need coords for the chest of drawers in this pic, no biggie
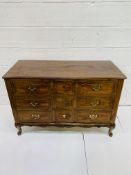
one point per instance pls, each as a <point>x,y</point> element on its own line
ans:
<point>64,93</point>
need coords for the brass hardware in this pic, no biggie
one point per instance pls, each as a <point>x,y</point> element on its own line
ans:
<point>96,87</point>
<point>33,104</point>
<point>35,116</point>
<point>93,116</point>
<point>95,103</point>
<point>65,115</point>
<point>32,88</point>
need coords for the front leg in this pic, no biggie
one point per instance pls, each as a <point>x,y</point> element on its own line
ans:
<point>18,126</point>
<point>110,130</point>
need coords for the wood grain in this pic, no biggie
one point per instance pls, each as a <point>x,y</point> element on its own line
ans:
<point>64,69</point>
<point>39,97</point>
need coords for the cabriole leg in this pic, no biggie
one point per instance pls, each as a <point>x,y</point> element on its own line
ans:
<point>110,130</point>
<point>19,132</point>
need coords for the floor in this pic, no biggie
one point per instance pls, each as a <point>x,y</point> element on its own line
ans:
<point>55,151</point>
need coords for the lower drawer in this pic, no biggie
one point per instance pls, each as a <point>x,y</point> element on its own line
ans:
<point>93,116</point>
<point>64,116</point>
<point>34,116</point>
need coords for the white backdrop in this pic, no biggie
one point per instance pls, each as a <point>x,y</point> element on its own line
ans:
<point>66,30</point>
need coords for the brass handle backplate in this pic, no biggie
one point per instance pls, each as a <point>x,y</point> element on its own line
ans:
<point>33,104</point>
<point>96,87</point>
<point>93,116</point>
<point>35,116</point>
<point>65,116</point>
<point>32,88</point>
<point>95,103</point>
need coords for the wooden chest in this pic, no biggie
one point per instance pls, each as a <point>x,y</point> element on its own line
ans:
<point>64,93</point>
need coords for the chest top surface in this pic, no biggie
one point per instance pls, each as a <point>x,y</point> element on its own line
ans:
<point>64,69</point>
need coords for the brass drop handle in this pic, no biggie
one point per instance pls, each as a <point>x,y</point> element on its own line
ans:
<point>35,116</point>
<point>65,116</point>
<point>96,87</point>
<point>95,103</point>
<point>33,104</point>
<point>32,88</point>
<point>93,116</point>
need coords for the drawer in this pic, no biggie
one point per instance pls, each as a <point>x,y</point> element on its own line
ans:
<point>63,87</point>
<point>34,116</point>
<point>32,104</point>
<point>63,116</point>
<point>93,116</point>
<point>63,102</point>
<point>95,88</point>
<point>31,87</point>
<point>92,102</point>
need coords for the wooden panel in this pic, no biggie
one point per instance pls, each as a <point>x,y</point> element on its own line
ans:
<point>64,70</point>
<point>33,104</point>
<point>65,14</point>
<point>95,88</point>
<point>126,93</point>
<point>65,102</point>
<point>34,116</point>
<point>64,116</point>
<point>65,37</point>
<point>63,87</point>
<point>93,116</point>
<point>31,87</point>
<point>93,102</point>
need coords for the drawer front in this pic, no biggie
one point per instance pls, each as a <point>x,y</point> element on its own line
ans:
<point>63,102</point>
<point>92,102</point>
<point>63,116</point>
<point>31,87</point>
<point>32,104</point>
<point>34,116</point>
<point>93,116</point>
<point>95,88</point>
<point>63,87</point>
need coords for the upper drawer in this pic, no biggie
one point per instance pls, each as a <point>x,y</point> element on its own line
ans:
<point>31,87</point>
<point>63,102</point>
<point>95,87</point>
<point>94,102</point>
<point>63,87</point>
<point>32,104</point>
